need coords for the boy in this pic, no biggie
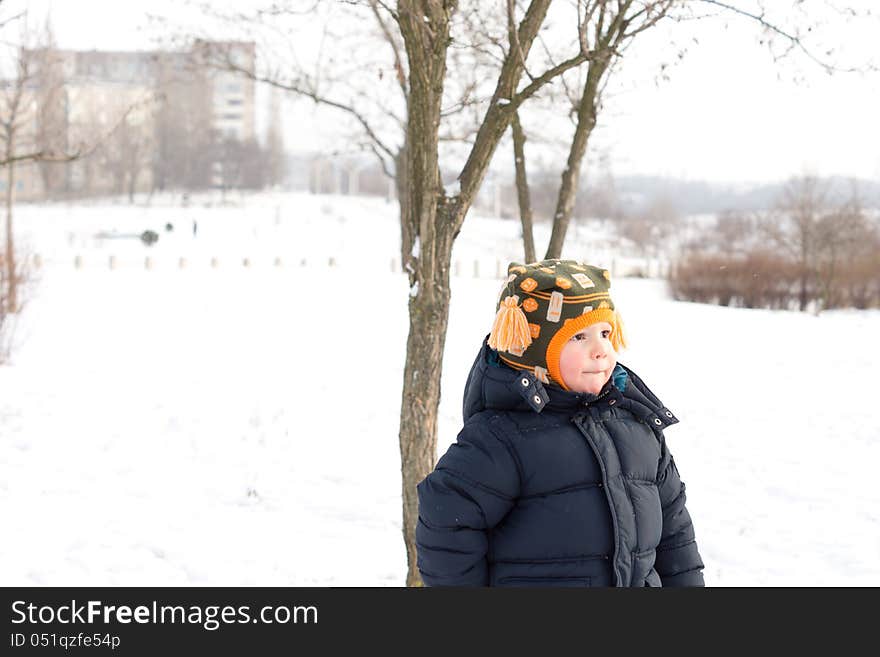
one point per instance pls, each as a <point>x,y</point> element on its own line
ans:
<point>561,475</point>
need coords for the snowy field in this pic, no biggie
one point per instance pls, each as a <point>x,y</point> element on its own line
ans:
<point>235,425</point>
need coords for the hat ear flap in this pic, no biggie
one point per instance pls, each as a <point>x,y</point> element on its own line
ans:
<point>618,334</point>
<point>511,328</point>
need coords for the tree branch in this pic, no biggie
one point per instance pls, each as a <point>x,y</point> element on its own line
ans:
<point>227,64</point>
<point>794,39</point>
<point>547,76</point>
<point>6,21</point>
<point>389,37</point>
<point>513,37</point>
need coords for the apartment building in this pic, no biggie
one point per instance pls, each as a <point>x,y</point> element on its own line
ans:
<point>158,117</point>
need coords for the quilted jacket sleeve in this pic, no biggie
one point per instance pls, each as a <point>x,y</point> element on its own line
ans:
<point>678,561</point>
<point>471,489</point>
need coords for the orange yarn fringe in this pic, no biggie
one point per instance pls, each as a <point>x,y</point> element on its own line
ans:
<point>618,335</point>
<point>511,328</point>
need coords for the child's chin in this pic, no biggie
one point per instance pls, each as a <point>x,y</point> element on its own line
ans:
<point>592,383</point>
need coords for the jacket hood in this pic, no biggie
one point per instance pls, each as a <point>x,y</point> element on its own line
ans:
<point>492,385</point>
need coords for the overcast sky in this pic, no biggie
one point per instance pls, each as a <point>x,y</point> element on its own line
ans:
<point>726,113</point>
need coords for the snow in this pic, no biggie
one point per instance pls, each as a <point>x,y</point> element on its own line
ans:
<point>237,425</point>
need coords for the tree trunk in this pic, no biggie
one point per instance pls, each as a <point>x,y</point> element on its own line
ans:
<point>118,180</point>
<point>428,317</point>
<point>522,188</point>
<point>132,181</point>
<point>12,280</point>
<point>423,211</point>
<point>436,220</point>
<point>408,231</point>
<point>805,272</point>
<point>570,176</point>
<point>802,288</point>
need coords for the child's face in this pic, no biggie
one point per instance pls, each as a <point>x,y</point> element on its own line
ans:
<point>588,359</point>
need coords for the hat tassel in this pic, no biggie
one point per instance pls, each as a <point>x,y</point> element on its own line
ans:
<point>618,335</point>
<point>511,328</point>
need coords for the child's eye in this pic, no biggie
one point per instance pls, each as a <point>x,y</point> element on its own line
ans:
<point>578,336</point>
<point>606,333</point>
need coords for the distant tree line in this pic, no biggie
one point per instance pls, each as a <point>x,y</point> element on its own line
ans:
<point>807,253</point>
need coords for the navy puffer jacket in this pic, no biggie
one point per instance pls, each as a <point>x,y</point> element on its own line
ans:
<point>546,487</point>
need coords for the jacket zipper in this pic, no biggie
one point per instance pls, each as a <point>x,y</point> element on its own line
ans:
<point>586,435</point>
<point>601,394</point>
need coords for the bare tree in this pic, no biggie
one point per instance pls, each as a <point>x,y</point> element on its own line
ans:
<point>32,81</point>
<point>129,152</point>
<point>608,29</point>
<point>605,29</point>
<point>228,165</point>
<point>840,234</point>
<point>860,278</point>
<point>276,166</point>
<point>20,141</point>
<point>652,225</point>
<point>793,227</point>
<point>51,107</point>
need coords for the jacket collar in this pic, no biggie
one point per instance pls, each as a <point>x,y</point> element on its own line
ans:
<point>493,385</point>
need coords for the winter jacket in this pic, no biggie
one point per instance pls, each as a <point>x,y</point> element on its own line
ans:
<point>546,487</point>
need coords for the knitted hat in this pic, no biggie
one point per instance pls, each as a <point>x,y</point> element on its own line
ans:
<point>542,305</point>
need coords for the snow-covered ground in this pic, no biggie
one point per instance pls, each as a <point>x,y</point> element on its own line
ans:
<point>238,426</point>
